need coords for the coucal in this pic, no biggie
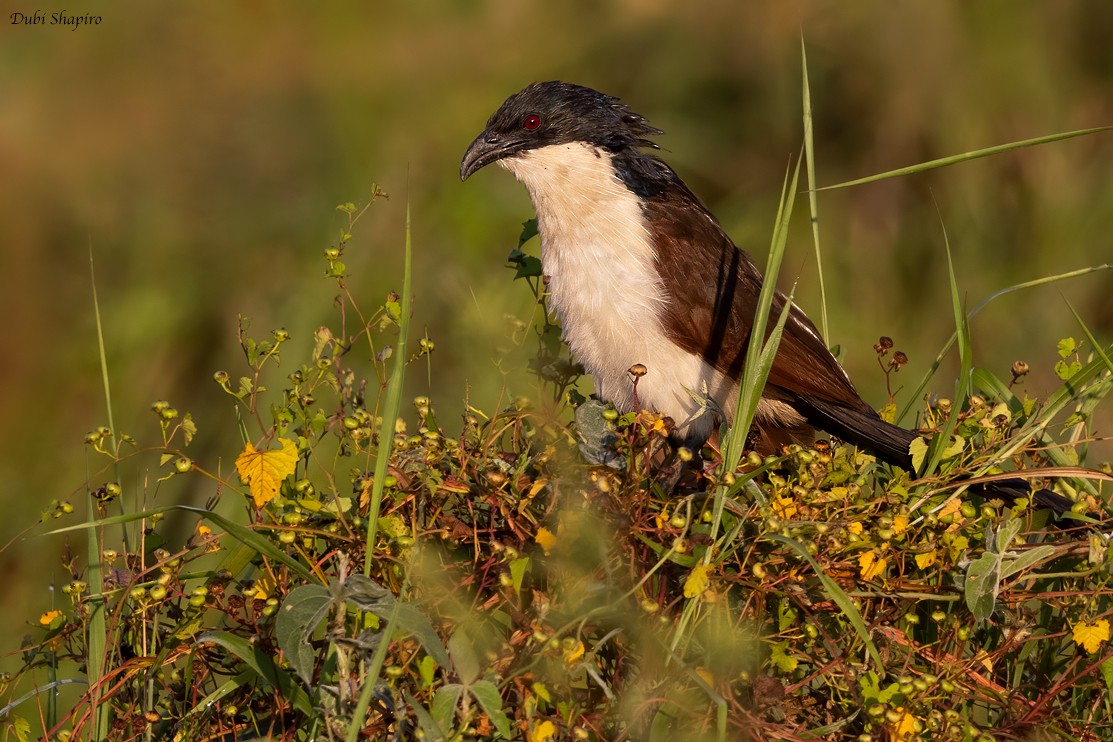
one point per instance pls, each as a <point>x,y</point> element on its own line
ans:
<point>640,272</point>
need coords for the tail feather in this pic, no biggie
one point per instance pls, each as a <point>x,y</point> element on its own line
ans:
<point>863,427</point>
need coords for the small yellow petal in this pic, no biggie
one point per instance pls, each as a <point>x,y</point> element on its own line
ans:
<point>872,565</point>
<point>543,732</point>
<point>50,617</point>
<point>784,507</point>
<point>573,652</point>
<point>697,580</point>
<point>706,675</point>
<point>545,539</point>
<point>906,727</point>
<point>855,528</point>
<point>925,560</point>
<point>900,524</point>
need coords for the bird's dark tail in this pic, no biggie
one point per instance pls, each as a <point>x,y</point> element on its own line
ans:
<point>864,428</point>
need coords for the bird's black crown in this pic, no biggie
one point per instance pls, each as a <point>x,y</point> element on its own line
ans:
<point>548,113</point>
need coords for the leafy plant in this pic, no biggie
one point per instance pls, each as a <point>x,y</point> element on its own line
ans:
<point>369,572</point>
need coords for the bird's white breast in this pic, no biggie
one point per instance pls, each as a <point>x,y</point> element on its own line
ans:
<point>605,287</point>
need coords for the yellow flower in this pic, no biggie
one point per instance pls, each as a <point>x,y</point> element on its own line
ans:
<point>48,618</point>
<point>906,727</point>
<point>872,564</point>
<point>573,651</point>
<point>545,539</point>
<point>784,507</point>
<point>543,732</point>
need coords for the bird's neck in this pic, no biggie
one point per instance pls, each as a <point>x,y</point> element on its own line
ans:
<point>605,286</point>
<point>594,238</point>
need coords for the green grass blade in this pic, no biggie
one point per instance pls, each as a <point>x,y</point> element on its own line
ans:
<point>97,630</point>
<point>1101,354</point>
<point>373,672</point>
<point>263,665</point>
<point>758,362</point>
<point>813,198</point>
<point>393,403</point>
<point>967,156</point>
<point>916,394</point>
<point>841,599</point>
<point>966,363</point>
<point>253,540</point>
<point>256,542</point>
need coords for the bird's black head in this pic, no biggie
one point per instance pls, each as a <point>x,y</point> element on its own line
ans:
<point>547,113</point>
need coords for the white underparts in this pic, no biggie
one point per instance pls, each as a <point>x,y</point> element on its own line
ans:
<point>606,291</point>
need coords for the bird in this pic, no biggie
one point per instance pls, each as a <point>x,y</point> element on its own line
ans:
<point>639,271</point>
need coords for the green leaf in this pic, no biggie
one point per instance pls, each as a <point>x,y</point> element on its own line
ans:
<point>22,728</point>
<point>427,667</point>
<point>189,428</point>
<point>464,659</point>
<point>489,699</point>
<point>298,618</point>
<point>391,399</point>
<point>1026,560</point>
<point>1004,537</point>
<point>954,448</point>
<point>262,665</point>
<point>1107,674</point>
<point>813,199</point>
<point>1066,370</point>
<point>518,569</point>
<point>781,659</point>
<point>445,701</point>
<point>222,691</point>
<point>918,448</point>
<point>527,266</point>
<point>872,692</point>
<point>394,309</point>
<point>372,597</point>
<point>529,231</point>
<point>983,580</point>
<point>433,731</point>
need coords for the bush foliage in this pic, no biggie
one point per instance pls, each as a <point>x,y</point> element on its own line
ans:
<point>364,572</point>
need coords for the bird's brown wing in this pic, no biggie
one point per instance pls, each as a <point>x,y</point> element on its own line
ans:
<point>712,284</point>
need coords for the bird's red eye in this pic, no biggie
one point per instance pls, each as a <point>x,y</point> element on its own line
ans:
<point>531,122</point>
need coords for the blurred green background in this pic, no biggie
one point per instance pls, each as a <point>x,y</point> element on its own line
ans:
<point>200,151</point>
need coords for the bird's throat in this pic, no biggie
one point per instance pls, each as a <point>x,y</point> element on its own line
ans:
<point>599,257</point>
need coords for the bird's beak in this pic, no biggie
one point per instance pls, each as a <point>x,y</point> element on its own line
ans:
<point>488,147</point>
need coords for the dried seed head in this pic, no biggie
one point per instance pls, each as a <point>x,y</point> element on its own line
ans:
<point>1020,368</point>
<point>638,370</point>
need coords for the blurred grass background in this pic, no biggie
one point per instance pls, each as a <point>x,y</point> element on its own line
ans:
<point>201,151</point>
